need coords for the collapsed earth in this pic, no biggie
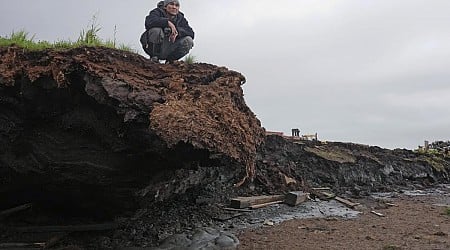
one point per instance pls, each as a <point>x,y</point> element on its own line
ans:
<point>105,149</point>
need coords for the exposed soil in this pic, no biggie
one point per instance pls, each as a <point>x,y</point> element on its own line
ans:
<point>94,135</point>
<point>415,222</point>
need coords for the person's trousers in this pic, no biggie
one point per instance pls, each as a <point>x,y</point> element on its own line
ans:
<point>156,43</point>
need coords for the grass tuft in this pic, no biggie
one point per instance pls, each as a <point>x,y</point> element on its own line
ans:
<point>190,59</point>
<point>87,37</point>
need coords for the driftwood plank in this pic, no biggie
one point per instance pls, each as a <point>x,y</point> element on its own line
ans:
<point>378,214</point>
<point>323,195</point>
<point>265,204</point>
<point>346,202</point>
<point>244,202</point>
<point>295,198</point>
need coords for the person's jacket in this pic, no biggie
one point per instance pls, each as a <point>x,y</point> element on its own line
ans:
<point>158,18</point>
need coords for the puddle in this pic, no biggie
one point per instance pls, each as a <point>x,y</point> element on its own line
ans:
<point>280,212</point>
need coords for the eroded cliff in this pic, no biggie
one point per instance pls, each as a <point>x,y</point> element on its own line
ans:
<point>100,121</point>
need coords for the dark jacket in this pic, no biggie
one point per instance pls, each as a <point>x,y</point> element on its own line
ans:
<point>158,18</point>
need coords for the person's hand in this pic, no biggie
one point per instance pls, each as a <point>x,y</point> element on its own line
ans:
<point>174,33</point>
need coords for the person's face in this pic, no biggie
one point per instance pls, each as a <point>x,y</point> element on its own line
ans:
<point>173,8</point>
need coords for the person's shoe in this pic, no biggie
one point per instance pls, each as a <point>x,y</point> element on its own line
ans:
<point>154,59</point>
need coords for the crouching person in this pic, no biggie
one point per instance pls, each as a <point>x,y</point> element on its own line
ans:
<point>168,35</point>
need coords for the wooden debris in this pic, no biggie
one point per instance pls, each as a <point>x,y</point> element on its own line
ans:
<point>323,195</point>
<point>10,211</point>
<point>392,204</point>
<point>244,202</point>
<point>295,198</point>
<point>288,180</point>
<point>328,195</point>
<point>72,228</point>
<point>378,214</point>
<point>346,202</point>
<point>264,204</point>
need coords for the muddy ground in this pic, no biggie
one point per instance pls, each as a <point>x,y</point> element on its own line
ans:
<point>412,220</point>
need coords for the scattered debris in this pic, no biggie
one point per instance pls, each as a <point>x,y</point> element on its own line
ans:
<point>295,198</point>
<point>268,223</point>
<point>243,202</point>
<point>378,214</point>
<point>265,204</point>
<point>323,195</point>
<point>391,204</point>
<point>288,180</point>
<point>346,202</point>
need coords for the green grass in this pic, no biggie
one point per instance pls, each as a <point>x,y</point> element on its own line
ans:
<point>190,59</point>
<point>447,211</point>
<point>87,37</point>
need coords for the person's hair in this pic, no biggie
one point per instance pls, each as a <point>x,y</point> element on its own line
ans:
<point>166,2</point>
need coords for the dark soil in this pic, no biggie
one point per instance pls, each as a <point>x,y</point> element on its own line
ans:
<point>94,135</point>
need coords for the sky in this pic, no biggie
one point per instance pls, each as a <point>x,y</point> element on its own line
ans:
<point>374,72</point>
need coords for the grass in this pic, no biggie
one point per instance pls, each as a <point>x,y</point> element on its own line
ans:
<point>447,211</point>
<point>87,37</point>
<point>190,59</point>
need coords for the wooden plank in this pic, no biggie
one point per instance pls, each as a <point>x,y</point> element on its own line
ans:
<point>264,204</point>
<point>346,202</point>
<point>323,195</point>
<point>244,202</point>
<point>328,195</point>
<point>239,203</point>
<point>295,198</point>
<point>71,228</point>
<point>378,214</point>
<point>392,204</point>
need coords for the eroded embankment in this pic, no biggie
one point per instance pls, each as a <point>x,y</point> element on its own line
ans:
<point>99,125</point>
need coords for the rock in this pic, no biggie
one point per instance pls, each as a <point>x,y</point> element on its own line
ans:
<point>175,241</point>
<point>203,238</point>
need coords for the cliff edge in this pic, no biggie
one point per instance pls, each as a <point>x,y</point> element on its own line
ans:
<point>99,118</point>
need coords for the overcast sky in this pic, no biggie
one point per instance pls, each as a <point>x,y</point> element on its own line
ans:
<point>374,72</point>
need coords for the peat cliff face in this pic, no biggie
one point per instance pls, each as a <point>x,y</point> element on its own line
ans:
<point>361,169</point>
<point>106,123</point>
